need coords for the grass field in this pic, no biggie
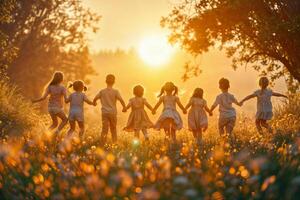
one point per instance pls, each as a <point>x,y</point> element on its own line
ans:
<point>33,166</point>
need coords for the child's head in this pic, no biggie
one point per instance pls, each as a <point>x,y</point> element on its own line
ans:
<point>168,87</point>
<point>110,79</point>
<point>78,86</point>
<point>224,84</point>
<point>263,82</point>
<point>138,91</point>
<point>198,93</point>
<point>57,78</point>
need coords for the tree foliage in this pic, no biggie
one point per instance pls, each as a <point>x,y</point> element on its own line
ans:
<point>48,35</point>
<point>264,34</point>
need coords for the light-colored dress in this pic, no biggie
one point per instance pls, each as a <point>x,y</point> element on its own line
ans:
<point>169,112</point>
<point>197,117</point>
<point>138,118</point>
<point>264,104</point>
<point>55,103</point>
<point>77,100</point>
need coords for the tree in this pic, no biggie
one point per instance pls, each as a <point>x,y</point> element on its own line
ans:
<point>262,33</point>
<point>49,35</point>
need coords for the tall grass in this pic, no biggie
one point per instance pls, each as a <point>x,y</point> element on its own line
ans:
<point>254,167</point>
<point>16,113</point>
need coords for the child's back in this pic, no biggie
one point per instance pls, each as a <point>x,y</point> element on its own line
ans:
<point>77,100</point>
<point>108,98</point>
<point>169,101</point>
<point>264,103</point>
<point>57,92</point>
<point>225,100</point>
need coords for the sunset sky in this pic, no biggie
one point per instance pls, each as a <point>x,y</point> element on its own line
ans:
<point>125,22</point>
<point>129,24</point>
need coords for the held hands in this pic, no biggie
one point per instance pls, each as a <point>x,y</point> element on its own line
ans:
<point>153,112</point>
<point>124,110</point>
<point>210,113</point>
<point>184,111</point>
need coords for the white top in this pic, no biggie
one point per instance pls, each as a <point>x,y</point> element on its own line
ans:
<point>264,103</point>
<point>197,103</point>
<point>169,101</point>
<point>108,98</point>
<point>77,100</point>
<point>56,92</point>
<point>225,101</point>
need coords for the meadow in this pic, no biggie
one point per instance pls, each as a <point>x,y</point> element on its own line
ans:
<point>36,165</point>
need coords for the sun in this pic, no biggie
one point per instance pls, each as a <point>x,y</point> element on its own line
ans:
<point>155,50</point>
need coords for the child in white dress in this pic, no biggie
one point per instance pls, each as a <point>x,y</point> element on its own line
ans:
<point>169,119</point>
<point>138,119</point>
<point>55,104</point>
<point>227,115</point>
<point>197,118</point>
<point>264,104</point>
<point>76,112</point>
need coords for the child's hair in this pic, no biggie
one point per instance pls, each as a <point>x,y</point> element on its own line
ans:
<point>78,86</point>
<point>263,82</point>
<point>168,86</point>
<point>198,93</point>
<point>138,91</point>
<point>57,78</point>
<point>110,79</point>
<point>224,84</point>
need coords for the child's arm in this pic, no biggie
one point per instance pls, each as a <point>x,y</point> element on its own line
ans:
<point>148,105</point>
<point>236,102</point>
<point>86,99</point>
<point>247,98</point>
<point>208,110</point>
<point>157,105</point>
<point>127,107</point>
<point>43,97</point>
<point>96,98</point>
<point>216,103</point>
<point>68,99</point>
<point>188,105</point>
<point>276,94</point>
<point>121,100</point>
<point>180,105</point>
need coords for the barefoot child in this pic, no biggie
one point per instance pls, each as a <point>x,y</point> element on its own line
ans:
<point>138,119</point>
<point>55,104</point>
<point>169,119</point>
<point>108,98</point>
<point>197,118</point>
<point>264,104</point>
<point>76,112</point>
<point>227,116</point>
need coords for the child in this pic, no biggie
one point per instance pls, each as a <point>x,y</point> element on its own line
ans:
<point>197,118</point>
<point>170,119</point>
<point>264,104</point>
<point>108,98</point>
<point>77,100</point>
<point>55,104</point>
<point>138,119</point>
<point>227,116</point>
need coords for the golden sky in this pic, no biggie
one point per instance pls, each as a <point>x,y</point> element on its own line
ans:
<point>125,22</point>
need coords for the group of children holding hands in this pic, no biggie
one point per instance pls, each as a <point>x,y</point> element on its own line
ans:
<point>169,120</point>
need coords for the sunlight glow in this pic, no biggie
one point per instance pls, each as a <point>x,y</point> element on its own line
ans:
<point>155,50</point>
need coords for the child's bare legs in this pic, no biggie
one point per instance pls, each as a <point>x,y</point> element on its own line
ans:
<point>72,127</point>
<point>169,130</point>
<point>81,126</point>
<point>145,132</point>
<point>54,121</point>
<point>265,124</point>
<point>173,133</point>
<point>64,121</point>
<point>137,134</point>
<point>258,126</point>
